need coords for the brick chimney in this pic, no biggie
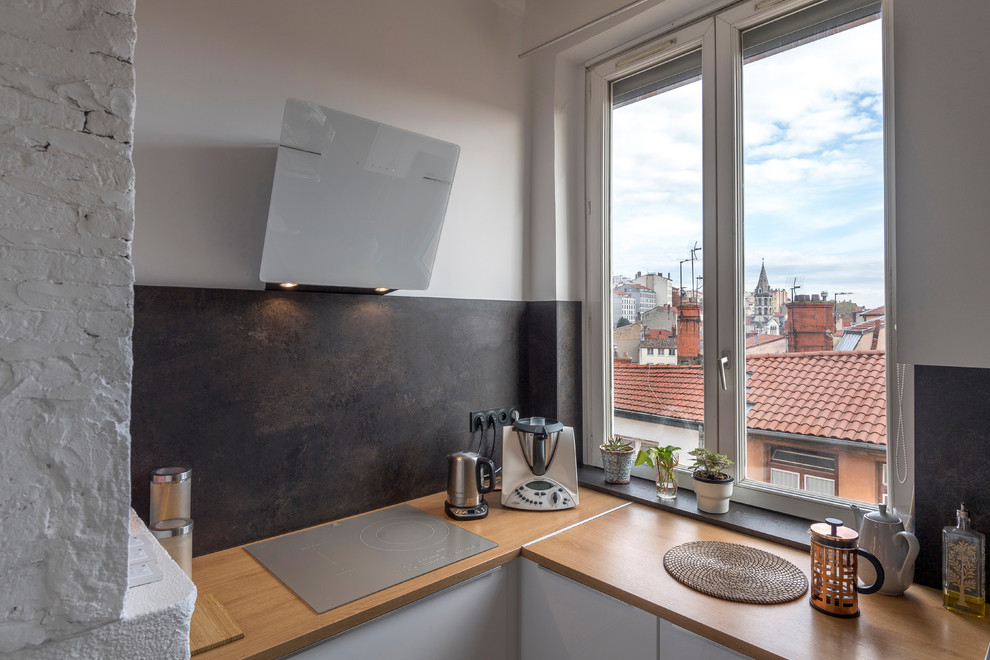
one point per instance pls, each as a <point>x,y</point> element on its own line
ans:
<point>809,324</point>
<point>689,333</point>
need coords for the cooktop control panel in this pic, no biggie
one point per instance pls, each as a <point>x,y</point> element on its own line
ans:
<point>539,495</point>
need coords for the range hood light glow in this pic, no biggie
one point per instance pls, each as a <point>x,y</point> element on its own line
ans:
<point>382,289</point>
<point>288,285</point>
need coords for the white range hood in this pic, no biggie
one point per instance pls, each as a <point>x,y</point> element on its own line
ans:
<point>356,205</point>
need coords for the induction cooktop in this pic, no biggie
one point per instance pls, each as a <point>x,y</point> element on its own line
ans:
<point>334,564</point>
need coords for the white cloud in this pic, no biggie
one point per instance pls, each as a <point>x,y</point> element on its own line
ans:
<point>812,181</point>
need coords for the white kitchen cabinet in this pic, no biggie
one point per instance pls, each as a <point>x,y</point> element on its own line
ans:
<point>519,610</point>
<point>468,620</point>
<point>675,643</point>
<point>560,619</point>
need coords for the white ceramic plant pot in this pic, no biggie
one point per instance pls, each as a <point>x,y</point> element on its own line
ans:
<point>713,496</point>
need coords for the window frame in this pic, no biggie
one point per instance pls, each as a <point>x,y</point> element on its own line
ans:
<point>721,78</point>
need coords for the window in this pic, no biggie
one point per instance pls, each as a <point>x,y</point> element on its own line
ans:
<point>819,485</point>
<point>742,166</point>
<point>785,478</point>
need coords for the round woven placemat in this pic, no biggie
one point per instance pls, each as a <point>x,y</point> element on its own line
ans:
<point>735,572</point>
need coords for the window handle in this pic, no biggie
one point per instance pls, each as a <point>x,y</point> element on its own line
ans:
<point>723,364</point>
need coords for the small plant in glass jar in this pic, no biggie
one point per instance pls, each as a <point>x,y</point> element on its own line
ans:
<point>663,460</point>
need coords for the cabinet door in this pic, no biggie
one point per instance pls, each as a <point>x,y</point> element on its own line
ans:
<point>561,619</point>
<point>468,620</point>
<point>676,643</point>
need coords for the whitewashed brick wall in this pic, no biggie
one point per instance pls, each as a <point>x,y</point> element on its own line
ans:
<point>66,312</point>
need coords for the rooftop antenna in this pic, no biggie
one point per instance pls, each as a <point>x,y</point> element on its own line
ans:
<point>693,250</point>
<point>794,287</point>
<point>683,261</point>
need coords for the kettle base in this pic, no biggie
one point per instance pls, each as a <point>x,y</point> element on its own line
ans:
<point>479,510</point>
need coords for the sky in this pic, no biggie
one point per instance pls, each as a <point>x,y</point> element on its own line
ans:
<point>812,176</point>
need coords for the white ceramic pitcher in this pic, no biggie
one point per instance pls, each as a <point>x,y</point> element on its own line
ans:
<point>882,534</point>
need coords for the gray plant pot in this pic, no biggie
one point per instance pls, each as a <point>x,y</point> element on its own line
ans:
<point>617,464</point>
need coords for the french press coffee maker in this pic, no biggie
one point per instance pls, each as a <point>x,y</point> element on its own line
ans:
<point>834,556</point>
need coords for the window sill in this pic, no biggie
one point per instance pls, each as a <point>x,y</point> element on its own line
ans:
<point>743,518</point>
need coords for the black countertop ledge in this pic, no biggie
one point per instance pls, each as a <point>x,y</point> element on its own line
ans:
<point>769,525</point>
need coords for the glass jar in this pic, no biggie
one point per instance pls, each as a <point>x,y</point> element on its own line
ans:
<point>666,482</point>
<point>175,535</point>
<point>171,492</point>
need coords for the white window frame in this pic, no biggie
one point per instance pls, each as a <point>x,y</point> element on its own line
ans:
<point>721,206</point>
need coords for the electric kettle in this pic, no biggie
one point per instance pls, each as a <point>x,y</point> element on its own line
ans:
<point>469,477</point>
<point>882,533</point>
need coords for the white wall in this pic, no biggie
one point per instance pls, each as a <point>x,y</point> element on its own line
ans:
<point>212,81</point>
<point>547,20</point>
<point>66,218</point>
<point>942,174</point>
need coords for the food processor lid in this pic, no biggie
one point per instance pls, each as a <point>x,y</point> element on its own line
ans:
<point>540,425</point>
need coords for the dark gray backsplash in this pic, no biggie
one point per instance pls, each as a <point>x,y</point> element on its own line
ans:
<point>297,409</point>
<point>952,458</point>
<point>554,362</point>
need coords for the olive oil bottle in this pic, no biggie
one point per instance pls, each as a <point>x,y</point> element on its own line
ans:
<point>963,581</point>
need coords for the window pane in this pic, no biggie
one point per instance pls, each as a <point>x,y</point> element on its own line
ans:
<point>656,255</point>
<point>814,250</point>
<point>785,478</point>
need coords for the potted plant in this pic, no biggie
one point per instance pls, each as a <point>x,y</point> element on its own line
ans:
<point>711,484</point>
<point>663,460</point>
<point>617,459</point>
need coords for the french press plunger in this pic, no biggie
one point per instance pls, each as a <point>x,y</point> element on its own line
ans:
<point>834,555</point>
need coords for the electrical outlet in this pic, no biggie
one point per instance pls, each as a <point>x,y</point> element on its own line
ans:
<point>484,420</point>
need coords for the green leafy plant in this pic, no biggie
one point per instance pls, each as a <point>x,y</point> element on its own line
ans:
<point>617,443</point>
<point>709,465</point>
<point>662,457</point>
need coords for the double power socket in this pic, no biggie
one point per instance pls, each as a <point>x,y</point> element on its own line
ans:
<point>484,420</point>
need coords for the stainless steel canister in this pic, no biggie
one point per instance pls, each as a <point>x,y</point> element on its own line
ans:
<point>175,535</point>
<point>171,493</point>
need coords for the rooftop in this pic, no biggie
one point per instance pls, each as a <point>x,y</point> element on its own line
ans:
<point>757,340</point>
<point>865,326</point>
<point>659,342</point>
<point>825,394</point>
<point>660,389</point>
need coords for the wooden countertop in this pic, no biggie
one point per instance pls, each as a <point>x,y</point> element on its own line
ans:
<point>275,621</point>
<point>621,554</point>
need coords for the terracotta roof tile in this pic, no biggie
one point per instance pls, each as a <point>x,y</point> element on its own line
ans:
<point>757,340</point>
<point>659,342</point>
<point>660,389</point>
<point>827,394</point>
